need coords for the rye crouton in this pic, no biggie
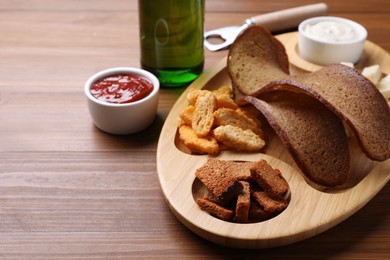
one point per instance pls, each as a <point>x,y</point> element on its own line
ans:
<point>214,175</point>
<point>243,204</point>
<point>214,209</point>
<point>271,180</point>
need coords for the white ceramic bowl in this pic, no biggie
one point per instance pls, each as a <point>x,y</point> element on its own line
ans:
<point>124,118</point>
<point>325,51</point>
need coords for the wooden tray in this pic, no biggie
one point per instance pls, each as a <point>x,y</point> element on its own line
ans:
<point>310,210</point>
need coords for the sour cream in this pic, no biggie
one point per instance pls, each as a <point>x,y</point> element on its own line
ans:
<point>326,40</point>
<point>332,31</point>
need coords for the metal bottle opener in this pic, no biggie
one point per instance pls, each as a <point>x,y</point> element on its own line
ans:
<point>274,21</point>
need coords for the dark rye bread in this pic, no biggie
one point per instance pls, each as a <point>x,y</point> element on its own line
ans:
<point>271,180</point>
<point>256,58</point>
<point>355,100</point>
<point>256,67</point>
<point>222,183</point>
<point>314,136</point>
<point>268,203</point>
<point>214,209</point>
<point>243,203</point>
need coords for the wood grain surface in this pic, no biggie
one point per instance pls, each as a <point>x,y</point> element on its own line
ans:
<point>70,191</point>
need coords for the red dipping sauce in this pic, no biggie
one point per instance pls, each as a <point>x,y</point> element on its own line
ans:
<point>121,88</point>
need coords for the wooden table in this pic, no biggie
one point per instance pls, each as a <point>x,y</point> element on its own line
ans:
<point>70,191</point>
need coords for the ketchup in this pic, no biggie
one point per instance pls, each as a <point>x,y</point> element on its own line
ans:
<point>121,88</point>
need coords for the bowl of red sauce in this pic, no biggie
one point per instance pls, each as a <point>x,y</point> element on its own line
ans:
<point>122,100</point>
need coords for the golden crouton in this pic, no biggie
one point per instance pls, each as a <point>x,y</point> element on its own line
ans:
<point>225,101</point>
<point>203,116</point>
<point>227,116</point>
<point>197,144</point>
<point>187,114</point>
<point>224,90</point>
<point>254,114</point>
<point>192,96</point>
<point>238,139</point>
<point>224,97</point>
<point>251,112</point>
<point>210,109</point>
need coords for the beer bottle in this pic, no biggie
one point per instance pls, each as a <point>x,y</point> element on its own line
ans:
<point>171,39</point>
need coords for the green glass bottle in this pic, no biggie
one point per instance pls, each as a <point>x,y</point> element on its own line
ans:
<point>171,39</point>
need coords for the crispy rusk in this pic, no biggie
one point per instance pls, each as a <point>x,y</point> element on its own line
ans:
<point>243,203</point>
<point>197,144</point>
<point>268,203</point>
<point>254,114</point>
<point>203,116</point>
<point>214,209</point>
<point>192,96</point>
<point>227,116</point>
<point>224,97</point>
<point>257,213</point>
<point>271,180</point>
<point>223,90</point>
<point>251,112</point>
<point>240,169</point>
<point>187,114</point>
<point>211,197</point>
<point>238,139</point>
<point>219,181</point>
<point>226,101</point>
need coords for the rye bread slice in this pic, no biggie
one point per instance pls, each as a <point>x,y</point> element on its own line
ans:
<point>256,67</point>
<point>314,136</point>
<point>354,99</point>
<point>255,59</point>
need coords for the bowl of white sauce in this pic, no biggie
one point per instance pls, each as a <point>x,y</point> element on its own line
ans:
<point>326,40</point>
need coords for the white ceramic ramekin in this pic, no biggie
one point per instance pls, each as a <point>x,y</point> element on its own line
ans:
<point>126,118</point>
<point>323,52</point>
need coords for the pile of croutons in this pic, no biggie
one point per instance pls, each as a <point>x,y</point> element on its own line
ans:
<point>212,122</point>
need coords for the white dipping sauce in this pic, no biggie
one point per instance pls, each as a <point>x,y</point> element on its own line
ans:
<point>331,31</point>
